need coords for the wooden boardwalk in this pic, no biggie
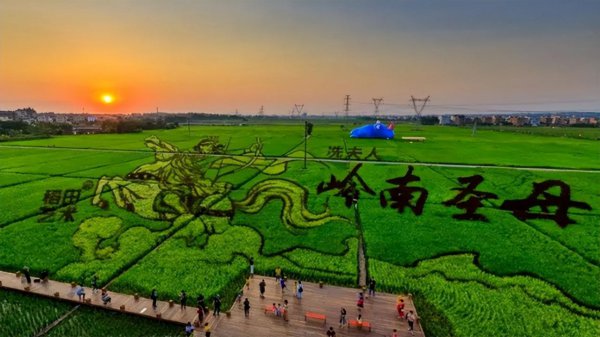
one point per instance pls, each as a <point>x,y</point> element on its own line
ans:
<point>379,311</point>
<point>140,307</point>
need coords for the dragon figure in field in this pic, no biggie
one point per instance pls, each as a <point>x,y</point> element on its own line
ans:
<point>180,183</point>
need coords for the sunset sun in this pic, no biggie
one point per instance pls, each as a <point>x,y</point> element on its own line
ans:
<point>107,99</point>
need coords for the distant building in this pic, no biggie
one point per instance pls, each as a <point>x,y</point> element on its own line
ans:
<point>86,129</point>
<point>444,120</point>
<point>47,117</point>
<point>458,119</point>
<point>27,115</point>
<point>7,116</point>
<point>518,120</point>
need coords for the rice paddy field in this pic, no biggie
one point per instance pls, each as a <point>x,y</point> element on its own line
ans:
<point>187,209</point>
<point>24,316</point>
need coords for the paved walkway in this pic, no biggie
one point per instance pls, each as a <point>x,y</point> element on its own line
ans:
<point>379,311</point>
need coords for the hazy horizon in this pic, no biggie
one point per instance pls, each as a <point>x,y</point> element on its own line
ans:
<point>209,56</point>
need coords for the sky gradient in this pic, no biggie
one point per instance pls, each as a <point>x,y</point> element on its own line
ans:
<point>219,56</point>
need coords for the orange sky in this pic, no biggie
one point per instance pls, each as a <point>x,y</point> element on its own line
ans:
<point>179,56</point>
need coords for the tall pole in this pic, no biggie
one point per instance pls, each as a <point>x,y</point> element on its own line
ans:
<point>347,105</point>
<point>376,103</point>
<point>419,110</point>
<point>189,131</point>
<point>305,136</point>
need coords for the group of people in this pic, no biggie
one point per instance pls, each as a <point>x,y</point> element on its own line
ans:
<point>189,329</point>
<point>26,276</point>
<point>410,317</point>
<point>281,310</point>
<point>104,296</point>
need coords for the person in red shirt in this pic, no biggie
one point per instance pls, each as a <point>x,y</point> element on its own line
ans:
<point>360,303</point>
<point>400,308</point>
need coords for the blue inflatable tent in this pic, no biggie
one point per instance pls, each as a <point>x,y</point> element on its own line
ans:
<point>377,130</point>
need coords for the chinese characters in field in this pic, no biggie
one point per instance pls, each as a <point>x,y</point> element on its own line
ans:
<point>540,204</point>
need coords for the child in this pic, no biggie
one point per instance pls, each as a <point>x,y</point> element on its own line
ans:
<point>206,330</point>
<point>400,309</point>
<point>285,310</point>
<point>105,298</point>
<point>189,329</point>
<point>360,303</point>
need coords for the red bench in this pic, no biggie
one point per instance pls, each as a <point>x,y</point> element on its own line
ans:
<point>359,325</point>
<point>269,308</point>
<point>314,315</point>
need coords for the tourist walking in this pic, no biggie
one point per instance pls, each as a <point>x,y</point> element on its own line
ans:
<point>299,290</point>
<point>282,284</point>
<point>400,308</point>
<point>80,291</point>
<point>395,333</point>
<point>94,284</point>
<point>200,303</point>
<point>262,287</point>
<point>410,317</point>
<point>27,275</point>
<point>285,310</point>
<point>360,303</point>
<point>343,321</point>
<point>238,298</point>
<point>372,284</point>
<point>217,306</point>
<point>189,329</point>
<point>330,332</point>
<point>154,297</point>
<point>251,267</point>
<point>200,313</point>
<point>183,299</point>
<point>247,307</point>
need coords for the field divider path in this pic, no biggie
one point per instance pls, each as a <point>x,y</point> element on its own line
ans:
<point>331,160</point>
<point>59,320</point>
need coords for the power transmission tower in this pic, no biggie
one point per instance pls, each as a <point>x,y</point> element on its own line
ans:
<point>376,103</point>
<point>347,105</point>
<point>297,109</point>
<point>261,112</point>
<point>418,110</point>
